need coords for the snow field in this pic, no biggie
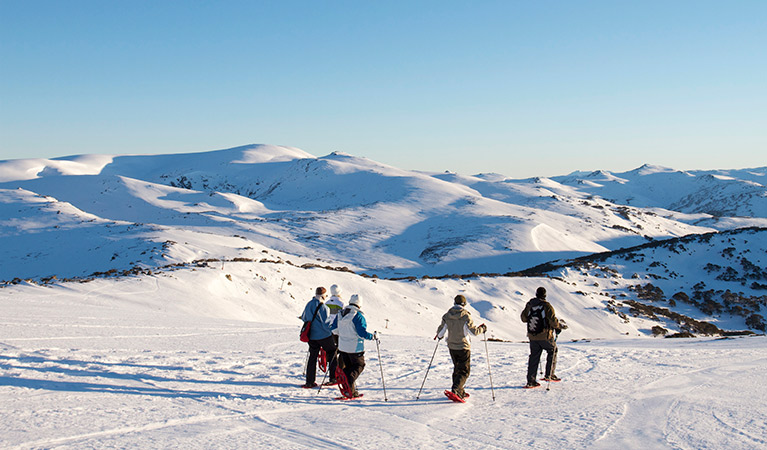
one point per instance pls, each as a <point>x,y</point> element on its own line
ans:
<point>92,370</point>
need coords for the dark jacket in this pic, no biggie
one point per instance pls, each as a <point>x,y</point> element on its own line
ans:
<point>550,324</point>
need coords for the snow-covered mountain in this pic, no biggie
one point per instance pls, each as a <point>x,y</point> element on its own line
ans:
<point>717,193</point>
<point>92,215</point>
<point>368,216</point>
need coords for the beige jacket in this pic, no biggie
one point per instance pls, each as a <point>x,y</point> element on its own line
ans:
<point>458,324</point>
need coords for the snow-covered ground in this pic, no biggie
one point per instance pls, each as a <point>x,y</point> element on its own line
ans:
<point>161,362</point>
<point>152,302</point>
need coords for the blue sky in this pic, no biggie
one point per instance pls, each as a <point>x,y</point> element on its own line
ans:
<point>516,87</point>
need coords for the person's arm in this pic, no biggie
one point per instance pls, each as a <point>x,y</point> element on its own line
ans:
<point>525,316</point>
<point>551,317</point>
<point>361,325</point>
<point>308,312</point>
<point>469,325</point>
<point>442,329</point>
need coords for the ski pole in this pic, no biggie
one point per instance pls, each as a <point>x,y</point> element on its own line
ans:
<point>380,364</point>
<point>427,369</point>
<point>488,367</point>
<point>326,372</point>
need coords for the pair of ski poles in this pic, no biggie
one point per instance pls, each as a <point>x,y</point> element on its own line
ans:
<point>489,372</point>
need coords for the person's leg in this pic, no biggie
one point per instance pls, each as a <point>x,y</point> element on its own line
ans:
<point>551,357</point>
<point>329,345</point>
<point>344,364</point>
<point>532,362</point>
<point>311,368</point>
<point>461,370</point>
<point>357,363</point>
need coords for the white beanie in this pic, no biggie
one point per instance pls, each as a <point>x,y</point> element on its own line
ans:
<point>355,300</point>
<point>335,290</point>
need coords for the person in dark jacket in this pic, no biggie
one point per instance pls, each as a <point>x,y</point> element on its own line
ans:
<point>542,324</point>
<point>320,336</point>
<point>458,325</point>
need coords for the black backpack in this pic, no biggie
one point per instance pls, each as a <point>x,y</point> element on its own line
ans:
<point>536,320</point>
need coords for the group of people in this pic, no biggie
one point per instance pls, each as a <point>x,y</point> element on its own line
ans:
<point>341,331</point>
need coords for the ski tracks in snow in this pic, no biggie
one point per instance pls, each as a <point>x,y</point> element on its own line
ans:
<point>234,386</point>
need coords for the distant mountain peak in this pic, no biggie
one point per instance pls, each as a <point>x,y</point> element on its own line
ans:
<point>647,169</point>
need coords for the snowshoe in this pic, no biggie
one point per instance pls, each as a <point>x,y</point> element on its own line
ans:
<point>552,378</point>
<point>309,386</point>
<point>454,397</point>
<point>322,360</point>
<point>344,398</point>
<point>532,384</point>
<point>343,383</point>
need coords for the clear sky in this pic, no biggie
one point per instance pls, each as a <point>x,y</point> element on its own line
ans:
<point>523,88</point>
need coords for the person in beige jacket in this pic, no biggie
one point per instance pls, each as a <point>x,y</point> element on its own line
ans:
<point>458,325</point>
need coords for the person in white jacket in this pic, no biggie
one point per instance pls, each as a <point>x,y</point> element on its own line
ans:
<point>351,328</point>
<point>334,303</point>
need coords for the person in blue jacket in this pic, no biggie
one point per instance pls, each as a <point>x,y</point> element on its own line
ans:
<point>320,336</point>
<point>351,328</point>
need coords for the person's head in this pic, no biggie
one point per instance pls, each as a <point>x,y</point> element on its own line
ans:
<point>355,300</point>
<point>541,293</point>
<point>460,300</point>
<point>320,292</point>
<point>335,290</point>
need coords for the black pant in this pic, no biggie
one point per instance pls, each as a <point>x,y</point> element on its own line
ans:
<point>536,348</point>
<point>354,364</point>
<point>461,369</point>
<point>329,345</point>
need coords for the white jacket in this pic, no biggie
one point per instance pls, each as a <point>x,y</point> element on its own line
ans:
<point>351,328</point>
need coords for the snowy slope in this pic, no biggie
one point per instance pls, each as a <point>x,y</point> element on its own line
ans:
<point>352,211</point>
<point>91,215</point>
<point>718,278</point>
<point>152,302</point>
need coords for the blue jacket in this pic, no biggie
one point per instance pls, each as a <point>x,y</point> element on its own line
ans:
<point>321,323</point>
<point>351,327</point>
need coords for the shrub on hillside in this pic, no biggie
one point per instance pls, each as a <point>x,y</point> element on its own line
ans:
<point>756,321</point>
<point>649,292</point>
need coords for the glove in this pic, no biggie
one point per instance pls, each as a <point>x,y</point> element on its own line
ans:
<point>375,335</point>
<point>562,325</point>
<point>482,328</point>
